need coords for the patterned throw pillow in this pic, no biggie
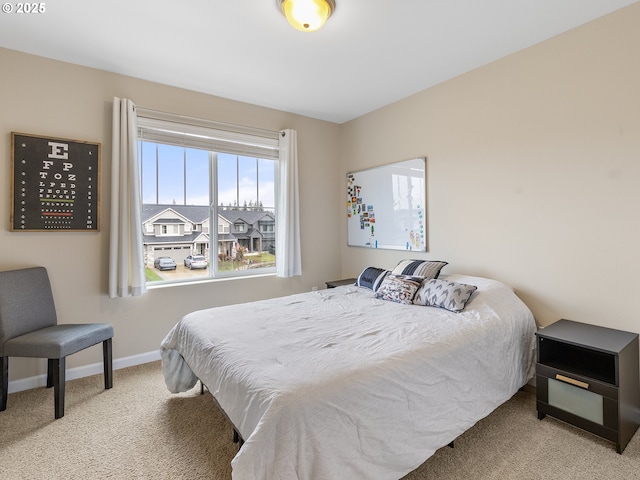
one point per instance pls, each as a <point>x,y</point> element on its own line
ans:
<point>399,288</point>
<point>371,277</point>
<point>419,268</point>
<point>444,294</point>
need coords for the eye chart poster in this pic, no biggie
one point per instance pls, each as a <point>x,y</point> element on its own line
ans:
<point>55,184</point>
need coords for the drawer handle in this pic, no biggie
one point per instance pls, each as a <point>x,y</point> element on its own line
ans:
<point>572,381</point>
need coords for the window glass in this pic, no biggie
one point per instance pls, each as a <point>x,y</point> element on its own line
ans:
<point>197,169</point>
<point>248,183</point>
<point>179,203</point>
<point>148,167</point>
<point>171,173</point>
<point>266,182</point>
<point>227,180</point>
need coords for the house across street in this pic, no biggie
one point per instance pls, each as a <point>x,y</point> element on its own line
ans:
<point>178,231</point>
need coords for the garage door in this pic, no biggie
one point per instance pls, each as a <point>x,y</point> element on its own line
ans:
<point>178,253</point>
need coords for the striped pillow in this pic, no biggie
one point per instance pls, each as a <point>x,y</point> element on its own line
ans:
<point>419,268</point>
<point>371,277</point>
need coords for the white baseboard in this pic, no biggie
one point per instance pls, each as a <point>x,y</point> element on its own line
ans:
<point>84,371</point>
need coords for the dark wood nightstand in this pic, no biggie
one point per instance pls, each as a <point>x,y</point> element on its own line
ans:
<point>339,283</point>
<point>588,376</point>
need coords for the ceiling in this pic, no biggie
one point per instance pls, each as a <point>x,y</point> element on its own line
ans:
<point>369,54</point>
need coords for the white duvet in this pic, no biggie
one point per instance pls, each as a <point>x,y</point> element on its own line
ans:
<point>337,384</point>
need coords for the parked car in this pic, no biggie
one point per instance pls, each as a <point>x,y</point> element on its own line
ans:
<point>195,261</point>
<point>164,263</point>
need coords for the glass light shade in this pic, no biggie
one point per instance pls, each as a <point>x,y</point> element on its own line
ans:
<point>307,15</point>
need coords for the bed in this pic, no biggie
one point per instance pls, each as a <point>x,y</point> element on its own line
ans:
<point>338,383</point>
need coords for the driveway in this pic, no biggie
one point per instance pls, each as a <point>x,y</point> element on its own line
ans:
<point>182,272</point>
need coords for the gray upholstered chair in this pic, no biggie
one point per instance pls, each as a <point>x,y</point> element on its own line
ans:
<point>29,328</point>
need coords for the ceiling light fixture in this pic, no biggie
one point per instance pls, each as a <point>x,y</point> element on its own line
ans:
<point>307,15</point>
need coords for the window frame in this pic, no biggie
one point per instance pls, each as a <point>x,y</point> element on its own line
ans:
<point>186,132</point>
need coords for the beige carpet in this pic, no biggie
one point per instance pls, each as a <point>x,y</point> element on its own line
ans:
<point>138,430</point>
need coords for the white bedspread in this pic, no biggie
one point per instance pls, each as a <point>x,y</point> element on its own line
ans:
<point>336,384</point>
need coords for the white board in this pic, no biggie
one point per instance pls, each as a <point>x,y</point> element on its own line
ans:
<point>386,206</point>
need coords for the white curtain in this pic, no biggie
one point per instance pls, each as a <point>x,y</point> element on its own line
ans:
<point>288,256</point>
<point>126,259</point>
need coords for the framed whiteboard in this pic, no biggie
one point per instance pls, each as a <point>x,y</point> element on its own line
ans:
<point>386,206</point>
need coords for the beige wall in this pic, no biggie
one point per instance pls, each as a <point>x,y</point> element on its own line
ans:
<point>533,172</point>
<point>50,98</point>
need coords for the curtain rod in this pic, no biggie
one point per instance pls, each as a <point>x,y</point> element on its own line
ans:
<point>202,122</point>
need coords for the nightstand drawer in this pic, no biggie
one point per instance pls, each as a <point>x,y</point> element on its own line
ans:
<point>578,381</point>
<point>579,406</point>
<point>576,400</point>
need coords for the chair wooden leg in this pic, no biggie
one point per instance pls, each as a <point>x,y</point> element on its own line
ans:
<point>4,382</point>
<point>108,363</point>
<point>50,368</point>
<point>58,385</point>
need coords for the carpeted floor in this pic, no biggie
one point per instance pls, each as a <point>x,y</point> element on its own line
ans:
<point>138,430</point>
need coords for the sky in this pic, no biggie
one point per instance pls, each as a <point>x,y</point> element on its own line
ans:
<point>240,179</point>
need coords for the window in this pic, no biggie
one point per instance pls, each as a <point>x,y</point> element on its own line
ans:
<point>170,229</point>
<point>195,176</point>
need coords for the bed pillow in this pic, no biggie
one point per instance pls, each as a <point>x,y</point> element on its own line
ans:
<point>419,268</point>
<point>451,296</point>
<point>371,277</point>
<point>399,288</point>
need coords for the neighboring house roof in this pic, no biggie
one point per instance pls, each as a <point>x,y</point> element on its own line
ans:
<point>195,213</point>
<point>200,213</point>
<point>168,220</point>
<point>247,216</point>
<point>251,233</point>
<point>187,238</point>
<point>227,237</point>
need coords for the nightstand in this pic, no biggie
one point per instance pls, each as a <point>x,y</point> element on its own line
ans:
<point>339,283</point>
<point>588,376</point>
